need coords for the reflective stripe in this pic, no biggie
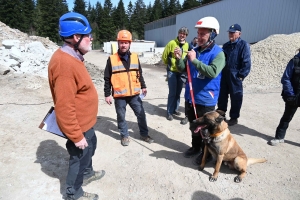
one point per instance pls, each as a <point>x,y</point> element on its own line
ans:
<point>137,89</point>
<point>134,66</point>
<point>120,92</point>
<point>118,68</point>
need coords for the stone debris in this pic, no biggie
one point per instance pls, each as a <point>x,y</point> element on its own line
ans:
<point>20,53</point>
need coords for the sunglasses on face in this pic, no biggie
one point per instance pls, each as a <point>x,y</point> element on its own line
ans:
<point>90,36</point>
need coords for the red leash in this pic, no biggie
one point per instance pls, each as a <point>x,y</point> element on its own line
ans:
<point>191,87</point>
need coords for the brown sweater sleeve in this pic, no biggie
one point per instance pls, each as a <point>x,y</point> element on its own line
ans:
<point>65,92</point>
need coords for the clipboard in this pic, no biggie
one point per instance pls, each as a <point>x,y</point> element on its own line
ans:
<point>49,124</point>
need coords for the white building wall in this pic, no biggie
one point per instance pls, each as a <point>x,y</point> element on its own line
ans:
<point>136,47</point>
<point>258,19</point>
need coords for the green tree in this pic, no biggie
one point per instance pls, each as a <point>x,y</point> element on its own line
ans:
<point>107,30</point>
<point>129,13</point>
<point>79,7</point>
<point>139,18</point>
<point>98,21</point>
<point>149,10</point>
<point>120,17</point>
<point>28,9</point>
<point>188,4</point>
<point>165,8</point>
<point>178,6</point>
<point>11,13</point>
<point>202,2</point>
<point>173,7</point>
<point>157,11</point>
<point>47,17</point>
<point>91,13</point>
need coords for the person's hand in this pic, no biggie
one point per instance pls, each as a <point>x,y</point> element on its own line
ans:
<point>191,55</point>
<point>81,144</point>
<point>177,53</point>
<point>108,100</point>
<point>144,91</point>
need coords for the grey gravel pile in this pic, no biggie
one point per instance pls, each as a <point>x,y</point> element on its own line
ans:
<point>269,59</point>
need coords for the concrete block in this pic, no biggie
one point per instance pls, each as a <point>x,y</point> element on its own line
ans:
<point>10,43</point>
<point>148,54</point>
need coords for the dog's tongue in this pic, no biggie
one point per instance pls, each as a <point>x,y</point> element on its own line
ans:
<point>199,128</point>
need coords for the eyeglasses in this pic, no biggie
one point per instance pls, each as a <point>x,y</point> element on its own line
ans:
<point>88,35</point>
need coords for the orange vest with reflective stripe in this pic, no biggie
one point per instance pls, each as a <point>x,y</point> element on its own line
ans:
<point>125,83</point>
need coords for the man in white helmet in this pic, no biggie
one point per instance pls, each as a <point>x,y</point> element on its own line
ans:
<point>205,63</point>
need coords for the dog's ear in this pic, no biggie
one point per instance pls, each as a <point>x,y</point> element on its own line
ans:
<point>219,119</point>
<point>221,112</point>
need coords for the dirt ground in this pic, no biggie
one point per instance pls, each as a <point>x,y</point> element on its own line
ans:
<point>34,162</point>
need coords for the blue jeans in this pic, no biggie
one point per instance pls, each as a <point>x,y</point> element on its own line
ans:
<point>80,164</point>
<point>136,105</point>
<point>175,86</point>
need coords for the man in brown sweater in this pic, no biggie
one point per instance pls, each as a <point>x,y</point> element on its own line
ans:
<point>76,103</point>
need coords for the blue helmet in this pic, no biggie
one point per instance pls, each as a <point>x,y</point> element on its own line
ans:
<point>73,23</point>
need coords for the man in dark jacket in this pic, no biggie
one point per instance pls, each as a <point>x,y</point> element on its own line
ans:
<point>238,65</point>
<point>291,90</point>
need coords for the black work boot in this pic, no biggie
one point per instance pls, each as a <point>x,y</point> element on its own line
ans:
<point>191,152</point>
<point>232,122</point>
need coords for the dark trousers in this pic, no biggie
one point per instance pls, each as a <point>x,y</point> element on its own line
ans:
<point>80,164</point>
<point>235,91</point>
<point>288,115</point>
<point>136,105</point>
<point>197,142</point>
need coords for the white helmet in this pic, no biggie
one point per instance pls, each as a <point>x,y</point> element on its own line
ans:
<point>208,22</point>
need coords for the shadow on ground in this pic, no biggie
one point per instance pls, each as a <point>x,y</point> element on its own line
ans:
<point>108,126</point>
<point>201,195</point>
<point>160,110</point>
<point>54,161</point>
<point>239,129</point>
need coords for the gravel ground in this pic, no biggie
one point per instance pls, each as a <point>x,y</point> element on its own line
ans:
<point>34,162</point>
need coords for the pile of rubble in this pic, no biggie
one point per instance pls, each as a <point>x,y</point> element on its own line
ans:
<point>155,60</point>
<point>21,53</point>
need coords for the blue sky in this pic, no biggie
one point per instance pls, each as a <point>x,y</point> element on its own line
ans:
<point>114,2</point>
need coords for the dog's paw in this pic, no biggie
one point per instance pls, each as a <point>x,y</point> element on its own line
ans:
<point>237,179</point>
<point>213,179</point>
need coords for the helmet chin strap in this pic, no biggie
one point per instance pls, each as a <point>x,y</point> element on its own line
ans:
<point>76,46</point>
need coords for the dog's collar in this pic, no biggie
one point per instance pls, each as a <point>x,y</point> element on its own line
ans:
<point>216,134</point>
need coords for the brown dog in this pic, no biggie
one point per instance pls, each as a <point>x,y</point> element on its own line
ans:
<point>221,144</point>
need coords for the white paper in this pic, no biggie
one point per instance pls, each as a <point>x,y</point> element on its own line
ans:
<point>50,124</point>
<point>142,96</point>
